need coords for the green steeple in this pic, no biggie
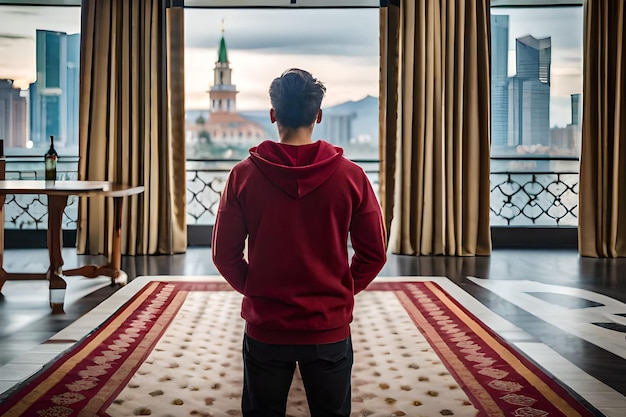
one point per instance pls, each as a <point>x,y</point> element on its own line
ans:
<point>221,55</point>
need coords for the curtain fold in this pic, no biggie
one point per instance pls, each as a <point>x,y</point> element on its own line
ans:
<point>131,124</point>
<point>388,106</point>
<point>602,195</point>
<point>436,56</point>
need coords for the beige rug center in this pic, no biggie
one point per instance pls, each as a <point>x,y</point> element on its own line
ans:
<point>196,367</point>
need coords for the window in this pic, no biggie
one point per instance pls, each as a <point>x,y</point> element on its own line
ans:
<point>232,55</point>
<point>536,114</point>
<point>39,79</point>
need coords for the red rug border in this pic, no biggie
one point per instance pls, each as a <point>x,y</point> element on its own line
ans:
<point>579,404</point>
<point>54,363</point>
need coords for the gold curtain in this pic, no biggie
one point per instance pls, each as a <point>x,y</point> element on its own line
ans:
<point>602,197</point>
<point>435,79</point>
<point>131,124</point>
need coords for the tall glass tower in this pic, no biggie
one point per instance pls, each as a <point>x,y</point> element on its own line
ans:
<point>54,94</point>
<point>529,92</point>
<point>577,109</point>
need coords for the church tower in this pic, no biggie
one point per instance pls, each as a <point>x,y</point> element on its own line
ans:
<point>223,93</point>
<point>225,128</point>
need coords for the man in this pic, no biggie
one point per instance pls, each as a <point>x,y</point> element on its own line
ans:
<point>297,202</point>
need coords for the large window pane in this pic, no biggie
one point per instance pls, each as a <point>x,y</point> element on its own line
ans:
<point>231,57</point>
<point>536,79</point>
<point>536,114</point>
<point>40,47</point>
<point>39,81</point>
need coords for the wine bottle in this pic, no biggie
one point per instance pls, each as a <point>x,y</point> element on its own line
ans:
<point>51,161</point>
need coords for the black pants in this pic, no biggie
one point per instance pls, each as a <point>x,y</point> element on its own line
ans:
<point>326,371</point>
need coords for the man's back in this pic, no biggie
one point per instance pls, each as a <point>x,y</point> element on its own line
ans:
<point>298,204</point>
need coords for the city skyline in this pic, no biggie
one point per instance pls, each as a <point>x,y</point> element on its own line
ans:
<point>263,42</point>
<point>222,131</point>
<point>558,23</point>
<point>522,92</point>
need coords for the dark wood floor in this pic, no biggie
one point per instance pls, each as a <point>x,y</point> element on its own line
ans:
<point>25,320</point>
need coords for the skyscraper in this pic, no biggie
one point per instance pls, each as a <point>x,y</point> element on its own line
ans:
<point>577,109</point>
<point>529,93</point>
<point>13,115</point>
<point>499,80</point>
<point>577,120</point>
<point>54,94</point>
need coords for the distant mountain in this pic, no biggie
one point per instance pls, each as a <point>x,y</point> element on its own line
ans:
<point>365,121</point>
<point>367,103</point>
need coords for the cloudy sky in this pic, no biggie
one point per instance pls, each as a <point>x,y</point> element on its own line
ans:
<point>339,46</point>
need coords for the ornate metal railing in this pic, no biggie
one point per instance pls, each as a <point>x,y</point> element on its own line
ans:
<point>205,182</point>
<point>524,192</point>
<point>31,211</point>
<point>534,191</point>
<point>206,179</point>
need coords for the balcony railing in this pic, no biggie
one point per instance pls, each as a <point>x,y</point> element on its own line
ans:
<point>524,192</point>
<point>206,179</point>
<point>31,211</point>
<point>534,191</point>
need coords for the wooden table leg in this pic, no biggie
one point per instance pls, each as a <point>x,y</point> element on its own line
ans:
<point>57,285</point>
<point>115,257</point>
<point>113,267</point>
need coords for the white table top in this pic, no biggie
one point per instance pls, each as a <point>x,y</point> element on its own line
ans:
<point>68,188</point>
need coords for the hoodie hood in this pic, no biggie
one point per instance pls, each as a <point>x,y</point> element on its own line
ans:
<point>297,169</point>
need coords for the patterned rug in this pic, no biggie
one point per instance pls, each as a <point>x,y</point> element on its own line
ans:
<point>174,349</point>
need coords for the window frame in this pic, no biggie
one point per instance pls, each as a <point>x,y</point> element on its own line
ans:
<point>535,236</point>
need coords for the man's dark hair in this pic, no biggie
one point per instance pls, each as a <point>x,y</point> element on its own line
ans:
<point>296,98</point>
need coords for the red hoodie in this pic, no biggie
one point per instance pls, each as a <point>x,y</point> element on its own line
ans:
<point>298,206</point>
